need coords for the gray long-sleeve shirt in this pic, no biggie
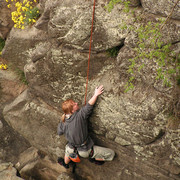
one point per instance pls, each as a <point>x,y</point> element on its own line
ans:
<point>75,128</point>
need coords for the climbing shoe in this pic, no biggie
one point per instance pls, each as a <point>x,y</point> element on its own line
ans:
<point>96,161</point>
<point>62,163</point>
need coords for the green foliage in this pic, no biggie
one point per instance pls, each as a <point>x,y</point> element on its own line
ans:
<point>31,15</point>
<point>22,76</point>
<point>23,12</point>
<point>149,47</point>
<point>126,6</point>
<point>149,37</point>
<point>113,52</point>
<point>111,4</point>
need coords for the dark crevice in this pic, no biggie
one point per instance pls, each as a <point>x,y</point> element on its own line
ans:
<point>18,174</point>
<point>175,42</point>
<point>140,4</point>
<point>158,137</point>
<point>114,51</point>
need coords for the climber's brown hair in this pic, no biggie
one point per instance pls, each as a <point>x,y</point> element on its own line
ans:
<point>67,107</point>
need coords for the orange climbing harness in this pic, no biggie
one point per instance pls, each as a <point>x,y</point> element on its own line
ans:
<point>90,51</point>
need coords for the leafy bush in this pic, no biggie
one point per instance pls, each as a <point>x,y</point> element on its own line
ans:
<point>31,15</point>
<point>20,74</point>
<point>149,47</point>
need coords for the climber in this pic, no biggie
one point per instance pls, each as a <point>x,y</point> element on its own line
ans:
<point>74,126</point>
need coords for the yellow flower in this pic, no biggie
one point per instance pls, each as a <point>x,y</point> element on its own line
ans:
<point>14,14</point>
<point>27,4</point>
<point>18,16</point>
<point>19,10</point>
<point>21,18</point>
<point>24,9</point>
<point>9,5</point>
<point>17,4</point>
<point>3,66</point>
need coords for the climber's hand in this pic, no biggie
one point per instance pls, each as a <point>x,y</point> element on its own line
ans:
<point>99,90</point>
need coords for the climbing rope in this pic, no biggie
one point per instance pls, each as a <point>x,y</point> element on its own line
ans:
<point>89,51</point>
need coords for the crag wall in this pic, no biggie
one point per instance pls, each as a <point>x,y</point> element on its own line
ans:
<point>53,54</point>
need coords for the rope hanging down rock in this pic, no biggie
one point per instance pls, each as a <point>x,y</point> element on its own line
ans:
<point>89,51</point>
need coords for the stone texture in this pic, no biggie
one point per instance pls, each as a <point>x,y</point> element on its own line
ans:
<point>23,41</point>
<point>36,164</point>
<point>75,31</point>
<point>64,176</point>
<point>11,142</point>
<point>55,53</point>
<point>5,20</point>
<point>22,124</point>
<point>7,171</point>
<point>162,7</point>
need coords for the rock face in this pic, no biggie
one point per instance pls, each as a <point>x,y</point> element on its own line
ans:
<point>11,142</point>
<point>8,172</point>
<point>54,56</point>
<point>35,164</point>
<point>163,7</point>
<point>5,20</point>
<point>23,40</point>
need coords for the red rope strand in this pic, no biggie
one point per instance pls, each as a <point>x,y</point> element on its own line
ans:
<point>89,51</point>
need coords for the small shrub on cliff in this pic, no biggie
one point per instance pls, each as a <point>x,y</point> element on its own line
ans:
<point>25,12</point>
<point>112,3</point>
<point>21,75</point>
<point>32,15</point>
<point>149,46</point>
